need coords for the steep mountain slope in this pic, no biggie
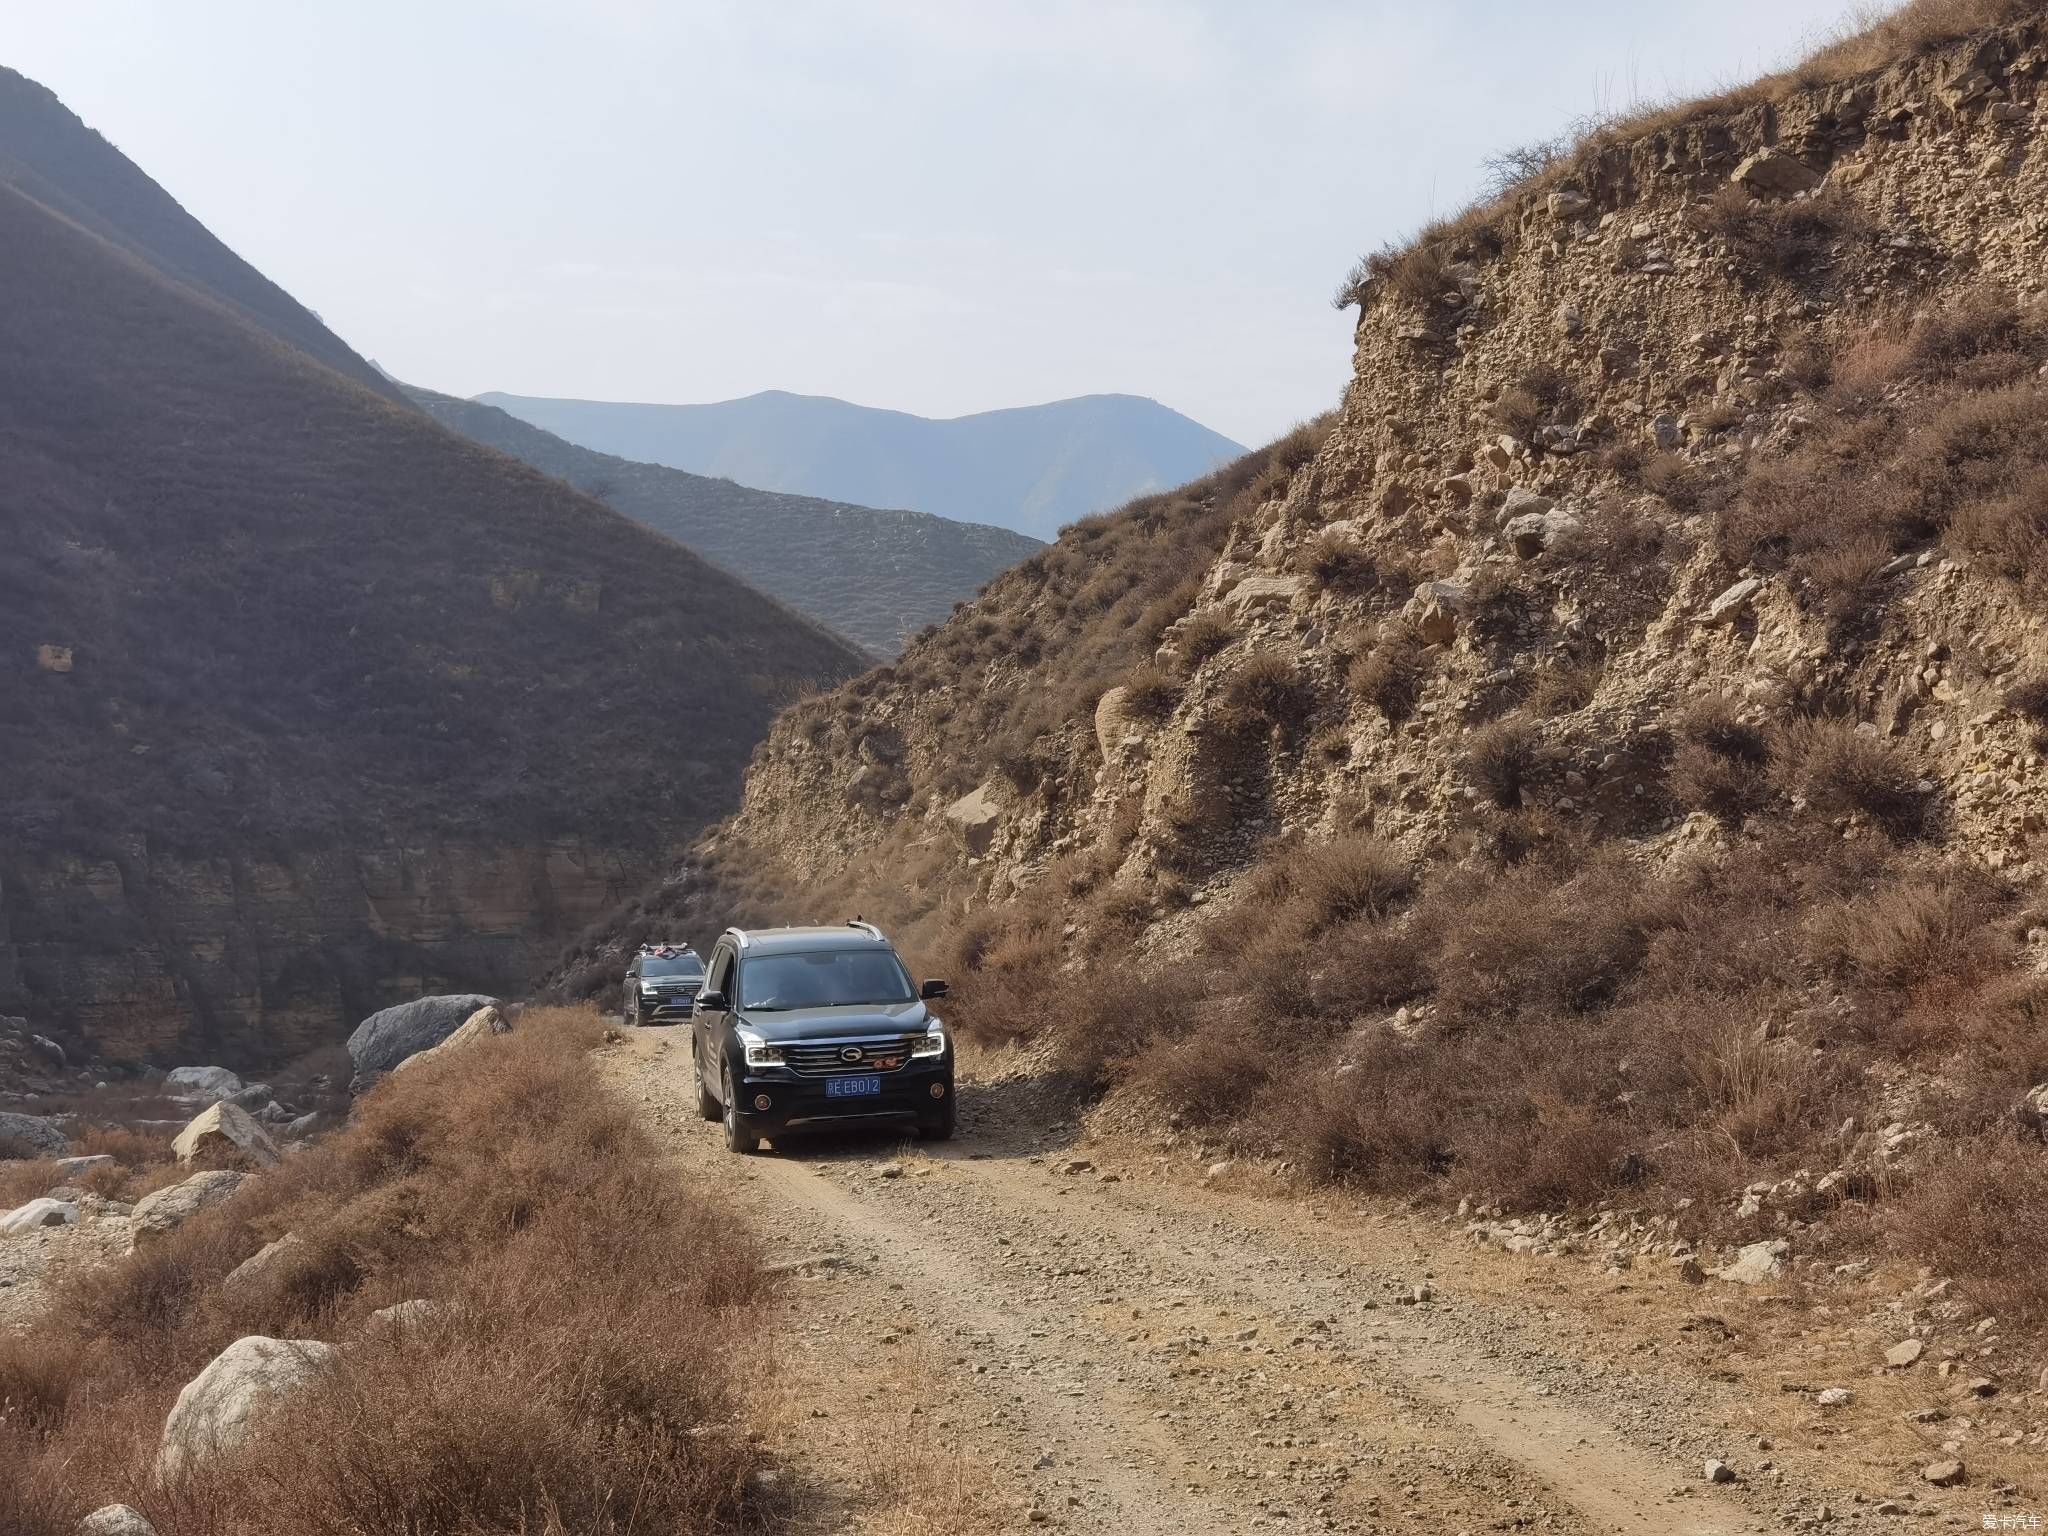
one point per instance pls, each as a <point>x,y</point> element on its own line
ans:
<point>875,575</point>
<point>46,152</point>
<point>307,699</point>
<point>1600,767</point>
<point>1032,469</point>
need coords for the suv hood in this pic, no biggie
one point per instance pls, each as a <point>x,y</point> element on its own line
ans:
<point>832,1023</point>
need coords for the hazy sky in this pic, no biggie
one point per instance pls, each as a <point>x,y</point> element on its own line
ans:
<point>936,205</point>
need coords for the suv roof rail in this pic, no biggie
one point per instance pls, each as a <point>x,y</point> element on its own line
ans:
<point>683,949</point>
<point>737,935</point>
<point>866,927</point>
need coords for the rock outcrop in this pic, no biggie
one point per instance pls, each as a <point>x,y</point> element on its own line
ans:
<point>222,1133</point>
<point>482,1025</point>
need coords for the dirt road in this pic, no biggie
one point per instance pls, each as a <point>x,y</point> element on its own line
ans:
<point>1015,1331</point>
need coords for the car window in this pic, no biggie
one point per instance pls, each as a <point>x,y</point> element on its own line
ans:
<point>721,972</point>
<point>686,966</point>
<point>824,979</point>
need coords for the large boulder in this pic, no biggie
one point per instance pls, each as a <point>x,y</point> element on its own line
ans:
<point>45,1212</point>
<point>116,1520</point>
<point>481,1025</point>
<point>164,1210</point>
<point>1773,173</point>
<point>224,1132</point>
<point>217,1407</point>
<point>1756,1263</point>
<point>385,1039</point>
<point>202,1083</point>
<point>34,1132</point>
<point>974,818</point>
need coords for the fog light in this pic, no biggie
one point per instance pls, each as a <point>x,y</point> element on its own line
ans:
<point>938,1090</point>
<point>762,1101</point>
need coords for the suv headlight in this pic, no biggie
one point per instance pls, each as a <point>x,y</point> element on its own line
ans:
<point>759,1052</point>
<point>933,1043</point>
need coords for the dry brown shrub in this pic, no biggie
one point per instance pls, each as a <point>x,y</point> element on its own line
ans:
<point>1150,693</point>
<point>1841,769</point>
<point>1266,689</point>
<point>1501,760</point>
<point>1390,674</point>
<point>1203,636</point>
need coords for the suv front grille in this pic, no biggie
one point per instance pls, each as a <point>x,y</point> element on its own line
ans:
<point>814,1058</point>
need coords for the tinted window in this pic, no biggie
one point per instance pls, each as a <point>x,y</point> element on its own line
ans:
<point>721,971</point>
<point>688,967</point>
<point>824,979</point>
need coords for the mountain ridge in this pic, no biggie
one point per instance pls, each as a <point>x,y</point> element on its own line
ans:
<point>1029,468</point>
<point>875,574</point>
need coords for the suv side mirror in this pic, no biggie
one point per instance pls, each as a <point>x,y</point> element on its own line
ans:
<point>712,1002</point>
<point>933,987</point>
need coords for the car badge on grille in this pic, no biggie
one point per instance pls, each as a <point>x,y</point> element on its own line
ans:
<point>850,1053</point>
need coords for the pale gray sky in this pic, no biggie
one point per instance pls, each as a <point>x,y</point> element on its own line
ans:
<point>936,205</point>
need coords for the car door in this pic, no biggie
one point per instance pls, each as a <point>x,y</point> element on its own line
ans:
<point>707,1025</point>
<point>629,1005</point>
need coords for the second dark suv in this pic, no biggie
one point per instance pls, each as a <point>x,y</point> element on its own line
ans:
<point>812,1026</point>
<point>660,985</point>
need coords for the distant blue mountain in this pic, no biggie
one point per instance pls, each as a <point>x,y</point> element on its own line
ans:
<point>1033,468</point>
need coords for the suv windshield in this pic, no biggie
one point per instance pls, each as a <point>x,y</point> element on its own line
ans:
<point>687,966</point>
<point>824,979</point>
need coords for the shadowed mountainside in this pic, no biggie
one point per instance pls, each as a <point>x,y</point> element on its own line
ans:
<point>876,575</point>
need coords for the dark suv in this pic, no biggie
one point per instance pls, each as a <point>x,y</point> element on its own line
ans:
<point>660,984</point>
<point>817,1026</point>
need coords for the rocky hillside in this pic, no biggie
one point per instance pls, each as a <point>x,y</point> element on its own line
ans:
<point>876,576</point>
<point>1033,468</point>
<point>308,701</point>
<point>1602,761</point>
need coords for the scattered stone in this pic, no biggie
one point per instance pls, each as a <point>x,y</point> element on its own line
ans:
<point>163,1210</point>
<point>43,1212</point>
<point>1904,1353</point>
<point>1567,203</point>
<point>1836,1397</point>
<point>1725,608</point>
<point>1943,1474</point>
<point>72,1167</point>
<point>889,1171</point>
<point>1980,1386</point>
<point>1687,1268</point>
<point>1720,1472</point>
<point>1774,173</point>
<point>973,819</point>
<point>225,1131</point>
<point>202,1083</point>
<point>1076,1165</point>
<point>1756,1263</point>
<point>215,1408</point>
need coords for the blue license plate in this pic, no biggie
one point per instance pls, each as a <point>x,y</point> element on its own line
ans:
<point>851,1087</point>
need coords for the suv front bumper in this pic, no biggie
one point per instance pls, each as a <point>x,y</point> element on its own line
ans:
<point>796,1100</point>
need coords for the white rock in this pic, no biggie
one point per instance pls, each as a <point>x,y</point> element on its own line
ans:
<point>1723,609</point>
<point>405,1314</point>
<point>115,1520</point>
<point>1836,1397</point>
<point>225,1130</point>
<point>71,1167</point>
<point>216,1408</point>
<point>44,1212</point>
<point>162,1210</point>
<point>1756,1263</point>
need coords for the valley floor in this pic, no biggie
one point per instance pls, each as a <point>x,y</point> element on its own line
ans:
<point>1012,1330</point>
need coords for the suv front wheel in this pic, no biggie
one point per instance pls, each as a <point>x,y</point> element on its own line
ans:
<point>737,1137</point>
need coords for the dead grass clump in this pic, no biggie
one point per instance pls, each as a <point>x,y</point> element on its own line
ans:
<point>1266,690</point>
<point>1338,563</point>
<point>1720,764</point>
<point>1965,1215</point>
<point>1351,878</point>
<point>1841,769</point>
<point>1789,238</point>
<point>1501,761</point>
<point>1543,395</point>
<point>1151,694</point>
<point>1390,674</point>
<point>1203,636</point>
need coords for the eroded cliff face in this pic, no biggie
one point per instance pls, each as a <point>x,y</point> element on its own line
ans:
<point>1668,288</point>
<point>247,960</point>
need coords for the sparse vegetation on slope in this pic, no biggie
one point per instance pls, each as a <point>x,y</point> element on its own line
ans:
<point>579,1369</point>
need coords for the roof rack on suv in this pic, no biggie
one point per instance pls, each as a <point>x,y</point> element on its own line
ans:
<point>738,936</point>
<point>865,927</point>
<point>679,949</point>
